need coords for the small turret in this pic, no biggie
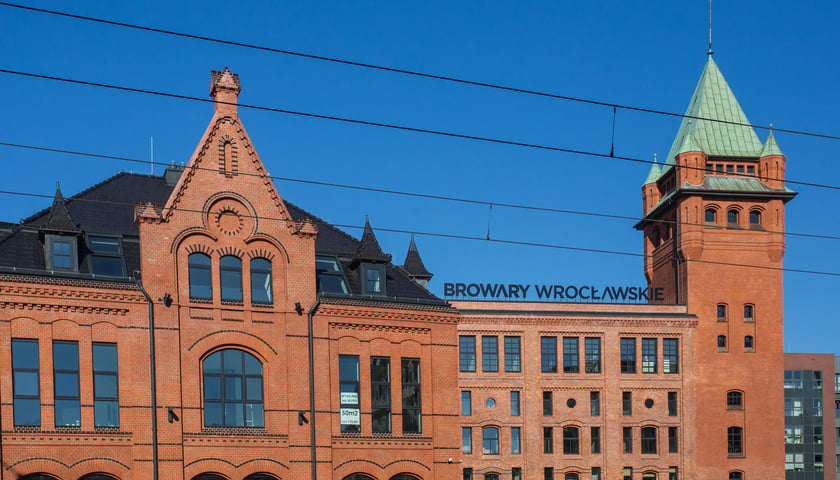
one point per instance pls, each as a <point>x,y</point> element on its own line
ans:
<point>413,264</point>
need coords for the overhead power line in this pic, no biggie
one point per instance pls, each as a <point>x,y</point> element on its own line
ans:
<point>455,236</point>
<point>391,126</point>
<point>404,71</point>
<point>427,196</point>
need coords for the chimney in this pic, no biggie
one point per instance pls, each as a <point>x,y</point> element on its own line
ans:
<point>224,90</point>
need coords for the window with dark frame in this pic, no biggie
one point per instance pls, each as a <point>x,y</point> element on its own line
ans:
<point>233,389</point>
<point>721,312</point>
<point>649,440</point>
<point>466,403</point>
<point>673,440</point>
<point>548,354</point>
<point>466,353</point>
<point>329,276</point>
<point>515,440</point>
<point>595,439</point>
<point>735,443</point>
<point>628,355</point>
<point>732,217</point>
<point>261,290</point>
<point>60,253</point>
<point>571,441</point>
<point>748,313</point>
<point>374,280</point>
<point>748,343</point>
<point>490,440</point>
<point>595,403</point>
<point>571,358</point>
<point>649,355</point>
<point>514,403</point>
<point>513,354</point>
<point>548,473</point>
<point>200,277</point>
<point>627,403</point>
<point>755,218</point>
<point>466,440</point>
<point>230,273</point>
<point>68,407</point>
<point>734,400</point>
<point>468,474</point>
<point>627,439</point>
<point>106,397</point>
<point>26,383</point>
<point>736,476</point>
<point>721,342</point>
<point>349,392</point>
<point>711,215</point>
<point>106,257</point>
<point>516,473</point>
<point>548,440</point>
<point>489,353</point>
<point>670,355</point>
<point>673,473</point>
<point>380,394</point>
<point>592,347</point>
<point>672,404</point>
<point>411,395</point>
<point>548,404</point>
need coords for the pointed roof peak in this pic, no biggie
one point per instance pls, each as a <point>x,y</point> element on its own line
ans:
<point>224,90</point>
<point>688,144</point>
<point>58,219</point>
<point>413,264</point>
<point>770,145</point>
<point>369,249</point>
<point>715,120</point>
<point>654,173</point>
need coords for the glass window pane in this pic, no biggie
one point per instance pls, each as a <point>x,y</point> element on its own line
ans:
<point>68,413</point>
<point>213,363</point>
<point>261,281</point>
<point>232,361</point>
<point>200,281</point>
<point>212,414</point>
<point>254,388</point>
<point>104,244</point>
<point>106,413</point>
<point>111,266</point>
<point>254,415</point>
<point>252,365</point>
<point>105,357</point>
<point>231,278</point>
<point>66,355</point>
<point>26,383</point>
<point>27,411</point>
<point>66,384</point>
<point>25,353</point>
<point>234,414</point>
<point>212,387</point>
<point>233,388</point>
<point>105,385</point>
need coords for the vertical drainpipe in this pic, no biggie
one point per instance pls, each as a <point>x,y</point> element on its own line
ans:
<point>152,375</point>
<point>312,389</point>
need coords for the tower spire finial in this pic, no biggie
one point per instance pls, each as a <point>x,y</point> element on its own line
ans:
<point>710,52</point>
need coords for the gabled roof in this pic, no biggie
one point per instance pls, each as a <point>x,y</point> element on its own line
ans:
<point>730,136</point>
<point>413,264</point>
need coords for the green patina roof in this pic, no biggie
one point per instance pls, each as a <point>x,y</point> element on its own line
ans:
<point>770,146</point>
<point>654,174</point>
<point>714,99</point>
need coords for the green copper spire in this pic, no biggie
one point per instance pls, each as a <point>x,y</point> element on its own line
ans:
<point>688,143</point>
<point>770,146</point>
<point>655,172</point>
<point>714,99</point>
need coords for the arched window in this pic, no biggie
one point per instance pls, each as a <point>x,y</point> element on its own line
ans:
<point>230,271</point>
<point>734,400</point>
<point>649,476</point>
<point>735,441</point>
<point>571,440</point>
<point>732,217</point>
<point>748,343</point>
<point>749,312</point>
<point>261,476</point>
<point>98,476</point>
<point>403,476</point>
<point>208,476</point>
<point>721,312</point>
<point>358,476</point>
<point>39,476</point>
<point>649,440</point>
<point>736,476</point>
<point>755,218</point>
<point>711,215</point>
<point>233,389</point>
<point>491,476</point>
<point>200,279</point>
<point>261,281</point>
<point>721,342</point>
<point>490,441</point>
<point>572,476</point>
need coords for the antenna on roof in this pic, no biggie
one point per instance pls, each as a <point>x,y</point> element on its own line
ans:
<point>152,155</point>
<point>710,52</point>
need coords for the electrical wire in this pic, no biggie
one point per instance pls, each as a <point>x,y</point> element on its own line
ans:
<point>388,125</point>
<point>405,71</point>
<point>448,236</point>
<point>405,193</point>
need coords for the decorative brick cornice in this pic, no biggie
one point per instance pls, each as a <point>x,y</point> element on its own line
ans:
<point>99,285</point>
<point>584,322</point>
<point>46,307</point>
<point>356,308</point>
<point>379,328</point>
<point>107,292</point>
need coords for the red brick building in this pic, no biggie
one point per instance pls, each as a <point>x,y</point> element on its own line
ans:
<point>240,294</point>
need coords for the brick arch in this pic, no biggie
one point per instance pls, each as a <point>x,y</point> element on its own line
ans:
<point>39,466</point>
<point>66,329</point>
<point>235,339</point>
<point>210,465</point>
<point>39,476</point>
<point>254,240</point>
<point>228,166</point>
<point>200,246</point>
<point>99,465</point>
<point>104,331</point>
<point>262,466</point>
<point>24,327</point>
<point>230,250</point>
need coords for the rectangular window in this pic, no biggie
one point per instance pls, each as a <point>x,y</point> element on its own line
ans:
<point>672,404</point>
<point>548,404</point>
<point>513,354</point>
<point>750,170</point>
<point>548,473</point>
<point>595,403</point>
<point>380,394</point>
<point>106,256</point>
<point>649,440</point>
<point>571,441</point>
<point>468,474</point>
<point>628,473</point>
<point>793,434</point>
<point>670,355</point>
<point>793,407</point>
<point>466,403</point>
<point>348,378</point>
<point>818,407</point>
<point>466,440</point>
<point>68,408</point>
<point>515,440</point>
<point>466,352</point>
<point>596,473</point>
<point>106,397</point>
<point>595,439</point>
<point>673,440</point>
<point>628,355</point>
<point>411,395</point>
<point>570,355</point>
<point>818,379</point>
<point>329,277</point>
<point>648,355</point>
<point>516,473</point>
<point>793,378</point>
<point>593,354</point>
<point>627,439</point>
<point>627,403</point>
<point>489,353</point>
<point>548,354</point>
<point>26,382</point>
<point>548,440</point>
<point>818,434</point>
<point>60,253</point>
<point>373,279</point>
<point>514,403</point>
<point>673,473</point>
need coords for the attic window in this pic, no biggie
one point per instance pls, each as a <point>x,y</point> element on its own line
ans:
<point>60,253</point>
<point>106,256</point>
<point>329,276</point>
<point>373,279</point>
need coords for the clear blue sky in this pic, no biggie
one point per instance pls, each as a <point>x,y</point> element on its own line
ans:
<point>780,58</point>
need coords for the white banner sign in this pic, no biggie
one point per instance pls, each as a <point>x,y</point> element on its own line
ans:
<point>350,416</point>
<point>349,398</point>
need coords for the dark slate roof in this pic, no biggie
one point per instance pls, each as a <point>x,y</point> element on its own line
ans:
<point>369,249</point>
<point>413,264</point>
<point>107,208</point>
<point>58,218</point>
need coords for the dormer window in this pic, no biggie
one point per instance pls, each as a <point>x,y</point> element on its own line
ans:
<point>106,256</point>
<point>373,279</point>
<point>329,276</point>
<point>60,253</point>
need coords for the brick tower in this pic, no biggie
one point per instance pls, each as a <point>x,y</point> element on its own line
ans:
<point>714,241</point>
